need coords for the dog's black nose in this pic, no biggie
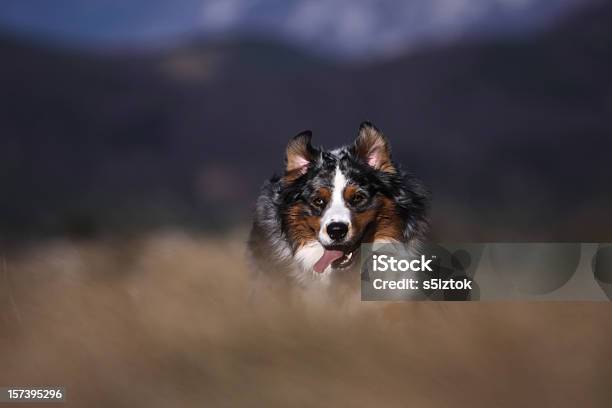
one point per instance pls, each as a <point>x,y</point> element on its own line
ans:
<point>337,230</point>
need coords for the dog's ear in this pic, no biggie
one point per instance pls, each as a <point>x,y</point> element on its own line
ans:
<point>300,154</point>
<point>373,148</point>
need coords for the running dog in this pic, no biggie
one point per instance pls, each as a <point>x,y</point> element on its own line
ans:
<point>309,223</point>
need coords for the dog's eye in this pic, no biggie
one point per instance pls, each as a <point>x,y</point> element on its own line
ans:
<point>358,198</point>
<point>318,202</point>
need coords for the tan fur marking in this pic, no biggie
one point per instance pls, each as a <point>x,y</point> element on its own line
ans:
<point>325,194</point>
<point>388,223</point>
<point>361,221</point>
<point>302,228</point>
<point>349,192</point>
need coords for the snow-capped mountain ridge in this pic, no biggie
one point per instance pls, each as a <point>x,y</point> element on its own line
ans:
<point>342,28</point>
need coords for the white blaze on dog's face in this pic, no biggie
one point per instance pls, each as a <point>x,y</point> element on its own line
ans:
<point>337,211</point>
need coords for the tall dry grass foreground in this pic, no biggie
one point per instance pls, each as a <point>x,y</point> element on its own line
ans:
<point>165,321</point>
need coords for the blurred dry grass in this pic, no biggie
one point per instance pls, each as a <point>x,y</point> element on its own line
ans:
<point>164,320</point>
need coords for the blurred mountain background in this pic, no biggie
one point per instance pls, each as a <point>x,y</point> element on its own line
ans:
<point>122,117</point>
<point>338,28</point>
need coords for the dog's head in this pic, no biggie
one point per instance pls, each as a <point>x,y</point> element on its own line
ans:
<point>332,201</point>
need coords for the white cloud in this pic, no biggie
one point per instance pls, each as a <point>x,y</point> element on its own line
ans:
<point>220,14</point>
<point>355,27</point>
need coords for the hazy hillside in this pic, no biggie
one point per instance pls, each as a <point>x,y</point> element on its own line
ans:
<point>513,138</point>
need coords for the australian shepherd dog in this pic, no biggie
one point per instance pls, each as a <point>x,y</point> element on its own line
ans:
<point>310,223</point>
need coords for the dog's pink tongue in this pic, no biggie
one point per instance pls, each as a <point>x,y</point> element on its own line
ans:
<point>328,257</point>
